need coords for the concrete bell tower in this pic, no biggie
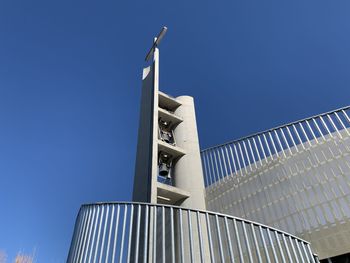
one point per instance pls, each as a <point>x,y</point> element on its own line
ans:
<point>168,165</point>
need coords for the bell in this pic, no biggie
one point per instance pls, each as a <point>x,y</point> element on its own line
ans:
<point>163,169</point>
<point>166,137</point>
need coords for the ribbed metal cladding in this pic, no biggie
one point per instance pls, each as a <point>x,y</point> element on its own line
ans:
<point>248,154</point>
<point>295,177</point>
<point>140,232</point>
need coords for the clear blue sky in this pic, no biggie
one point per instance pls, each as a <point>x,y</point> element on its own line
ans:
<point>70,77</point>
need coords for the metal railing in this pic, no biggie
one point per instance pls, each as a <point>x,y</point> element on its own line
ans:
<point>141,232</point>
<point>247,154</point>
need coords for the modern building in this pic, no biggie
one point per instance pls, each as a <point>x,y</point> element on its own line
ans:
<point>295,177</point>
<point>281,195</point>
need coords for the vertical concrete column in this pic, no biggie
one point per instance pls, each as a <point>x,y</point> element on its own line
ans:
<point>145,180</point>
<point>188,174</point>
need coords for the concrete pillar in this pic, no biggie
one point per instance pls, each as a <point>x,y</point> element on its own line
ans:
<point>147,150</point>
<point>188,174</point>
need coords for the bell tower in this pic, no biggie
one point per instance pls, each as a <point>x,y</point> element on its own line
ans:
<point>168,166</point>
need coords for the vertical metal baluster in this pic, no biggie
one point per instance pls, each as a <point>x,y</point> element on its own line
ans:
<point>123,234</point>
<point>305,134</point>
<point>232,258</point>
<point>207,153</point>
<point>181,237</point>
<point>115,234</point>
<point>257,150</point>
<point>212,165</point>
<point>312,131</point>
<point>291,137</point>
<point>172,234</point>
<point>199,229</point>
<point>342,123</point>
<point>242,157</point>
<point>238,241</point>
<point>207,162</point>
<point>76,235</point>
<point>238,161</point>
<point>210,238</point>
<point>138,233</point>
<point>130,232</point>
<point>334,126</point>
<point>233,160</point>
<point>272,245</point>
<point>264,244</point>
<point>273,144</point>
<point>145,245</point>
<point>252,152</point>
<point>246,153</point>
<point>228,161</point>
<point>190,234</point>
<point>267,146</point>
<point>224,161</point>
<point>89,236</point>
<point>206,172</point>
<point>346,116</point>
<point>298,136</point>
<point>286,245</point>
<point>285,140</point>
<point>99,233</point>
<point>219,238</point>
<point>94,226</point>
<point>212,176</point>
<point>293,249</point>
<point>86,232</point>
<point>154,243</point>
<point>247,242</point>
<point>300,253</point>
<point>325,126</point>
<point>163,234</point>
<point>305,253</point>
<point>256,242</point>
<point>76,232</point>
<point>104,234</point>
<point>220,163</point>
<point>280,247</point>
<point>311,255</point>
<point>318,128</point>
<point>216,164</point>
<point>78,253</point>
<point>81,233</point>
<point>280,144</point>
<point>262,148</point>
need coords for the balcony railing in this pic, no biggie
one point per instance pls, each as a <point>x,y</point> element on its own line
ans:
<point>247,154</point>
<point>140,232</point>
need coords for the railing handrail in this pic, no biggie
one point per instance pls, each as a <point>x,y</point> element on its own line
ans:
<point>197,210</point>
<point>275,128</point>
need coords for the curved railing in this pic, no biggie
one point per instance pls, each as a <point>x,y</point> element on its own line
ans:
<point>249,153</point>
<point>141,232</point>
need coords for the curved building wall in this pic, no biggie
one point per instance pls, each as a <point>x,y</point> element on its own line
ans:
<point>141,232</point>
<point>295,178</point>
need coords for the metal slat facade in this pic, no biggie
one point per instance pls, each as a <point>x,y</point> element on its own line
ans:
<point>295,177</point>
<point>141,232</point>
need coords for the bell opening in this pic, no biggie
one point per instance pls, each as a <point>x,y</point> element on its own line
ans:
<point>163,170</point>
